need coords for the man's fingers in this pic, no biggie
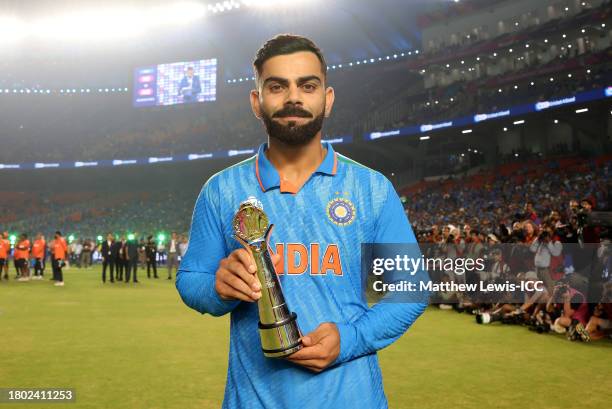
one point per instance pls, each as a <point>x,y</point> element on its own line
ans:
<point>309,352</point>
<point>229,292</point>
<point>239,285</point>
<point>246,259</point>
<point>238,269</point>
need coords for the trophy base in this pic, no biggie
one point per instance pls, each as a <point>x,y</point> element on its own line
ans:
<point>281,339</point>
<point>283,353</point>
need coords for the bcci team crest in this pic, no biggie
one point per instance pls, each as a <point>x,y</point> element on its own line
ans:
<point>341,211</point>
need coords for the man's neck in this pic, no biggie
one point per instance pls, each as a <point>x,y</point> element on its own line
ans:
<point>296,163</point>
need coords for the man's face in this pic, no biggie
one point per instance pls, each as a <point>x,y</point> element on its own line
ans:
<point>109,237</point>
<point>291,98</point>
<point>190,72</point>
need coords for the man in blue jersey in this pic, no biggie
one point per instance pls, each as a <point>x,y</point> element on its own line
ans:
<point>323,206</point>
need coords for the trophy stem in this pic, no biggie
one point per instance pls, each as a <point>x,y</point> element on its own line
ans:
<point>278,329</point>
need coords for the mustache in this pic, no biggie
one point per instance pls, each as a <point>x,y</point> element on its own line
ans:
<point>292,110</point>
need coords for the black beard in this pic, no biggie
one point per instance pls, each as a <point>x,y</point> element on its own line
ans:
<point>293,134</point>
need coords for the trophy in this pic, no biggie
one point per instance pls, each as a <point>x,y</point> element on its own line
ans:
<point>278,329</point>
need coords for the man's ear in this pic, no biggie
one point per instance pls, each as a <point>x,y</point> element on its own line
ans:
<point>255,105</point>
<point>329,101</point>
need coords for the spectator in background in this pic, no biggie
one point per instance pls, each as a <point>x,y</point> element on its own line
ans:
<point>22,256</point>
<point>71,257</point>
<point>109,254</point>
<point>530,214</point>
<point>39,251</point>
<point>85,260</point>
<point>182,245</point>
<point>161,251</point>
<point>120,261</point>
<point>131,253</point>
<point>142,253</point>
<point>173,252</point>
<point>78,250</point>
<point>530,231</point>
<point>5,248</point>
<point>60,251</point>
<point>151,253</point>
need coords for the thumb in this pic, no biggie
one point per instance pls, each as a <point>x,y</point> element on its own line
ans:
<point>313,337</point>
<point>307,341</point>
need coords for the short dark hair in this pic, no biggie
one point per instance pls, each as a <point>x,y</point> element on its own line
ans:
<point>284,44</point>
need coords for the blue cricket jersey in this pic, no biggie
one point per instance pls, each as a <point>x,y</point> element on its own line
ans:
<point>319,230</point>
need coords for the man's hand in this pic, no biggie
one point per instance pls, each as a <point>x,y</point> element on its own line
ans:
<point>567,297</point>
<point>236,278</point>
<point>320,348</point>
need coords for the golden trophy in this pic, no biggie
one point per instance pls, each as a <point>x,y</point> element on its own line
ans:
<point>278,329</point>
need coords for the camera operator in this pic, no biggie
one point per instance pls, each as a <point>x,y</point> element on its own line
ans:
<point>600,324</point>
<point>589,234</point>
<point>517,254</point>
<point>498,269</point>
<point>546,247</point>
<point>535,300</point>
<point>570,304</point>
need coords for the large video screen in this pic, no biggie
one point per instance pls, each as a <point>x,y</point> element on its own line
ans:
<point>176,83</point>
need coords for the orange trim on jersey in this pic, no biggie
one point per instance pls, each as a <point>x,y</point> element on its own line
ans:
<point>335,168</point>
<point>257,174</point>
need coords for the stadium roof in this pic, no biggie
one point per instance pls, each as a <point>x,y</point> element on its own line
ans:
<point>346,30</point>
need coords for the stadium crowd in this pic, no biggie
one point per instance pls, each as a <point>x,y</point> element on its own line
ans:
<point>529,223</point>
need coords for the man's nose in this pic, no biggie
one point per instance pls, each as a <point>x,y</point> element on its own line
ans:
<point>293,95</point>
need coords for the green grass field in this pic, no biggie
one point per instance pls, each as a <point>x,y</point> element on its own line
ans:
<point>138,346</point>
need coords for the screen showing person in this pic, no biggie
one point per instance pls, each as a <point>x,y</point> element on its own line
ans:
<point>176,83</point>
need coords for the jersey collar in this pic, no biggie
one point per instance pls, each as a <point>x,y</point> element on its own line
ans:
<point>268,177</point>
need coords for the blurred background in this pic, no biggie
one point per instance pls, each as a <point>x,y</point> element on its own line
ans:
<point>486,103</point>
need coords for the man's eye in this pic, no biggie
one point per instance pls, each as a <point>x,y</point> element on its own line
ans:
<point>309,87</point>
<point>275,87</point>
